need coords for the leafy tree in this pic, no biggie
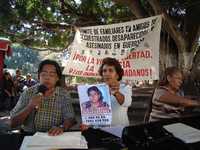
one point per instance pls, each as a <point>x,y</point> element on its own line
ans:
<point>23,58</point>
<point>49,24</point>
<point>180,28</point>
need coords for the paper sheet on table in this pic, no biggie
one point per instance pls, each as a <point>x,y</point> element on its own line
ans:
<point>184,132</point>
<point>66,140</point>
<point>28,139</point>
<point>117,131</point>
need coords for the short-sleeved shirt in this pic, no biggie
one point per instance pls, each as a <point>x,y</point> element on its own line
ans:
<point>52,111</point>
<point>119,112</point>
<point>30,83</point>
<point>161,110</point>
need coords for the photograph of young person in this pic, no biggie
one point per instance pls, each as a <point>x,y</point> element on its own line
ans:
<point>95,100</point>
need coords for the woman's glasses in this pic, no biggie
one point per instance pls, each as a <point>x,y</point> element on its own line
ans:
<point>108,70</point>
<point>50,74</point>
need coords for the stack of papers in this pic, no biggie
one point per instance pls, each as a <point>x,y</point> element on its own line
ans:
<point>184,132</point>
<point>43,141</point>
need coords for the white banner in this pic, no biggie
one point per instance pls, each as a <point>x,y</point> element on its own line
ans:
<point>135,44</point>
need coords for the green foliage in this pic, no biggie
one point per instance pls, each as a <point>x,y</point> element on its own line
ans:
<point>85,80</point>
<point>23,58</point>
<point>49,23</point>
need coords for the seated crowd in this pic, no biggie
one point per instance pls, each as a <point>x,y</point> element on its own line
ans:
<point>12,87</point>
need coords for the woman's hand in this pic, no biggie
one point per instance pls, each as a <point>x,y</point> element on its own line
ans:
<point>83,127</point>
<point>35,102</point>
<point>56,131</point>
<point>114,86</point>
<point>193,103</point>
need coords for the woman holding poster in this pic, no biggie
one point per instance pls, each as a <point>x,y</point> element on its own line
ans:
<point>121,95</point>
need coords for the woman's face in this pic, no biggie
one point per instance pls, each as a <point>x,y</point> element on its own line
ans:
<point>109,74</point>
<point>176,80</point>
<point>94,96</point>
<point>48,76</point>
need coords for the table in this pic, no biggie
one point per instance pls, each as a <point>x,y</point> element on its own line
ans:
<point>134,137</point>
<point>153,136</point>
<point>97,140</point>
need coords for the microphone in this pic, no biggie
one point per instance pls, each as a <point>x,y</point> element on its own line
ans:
<point>41,90</point>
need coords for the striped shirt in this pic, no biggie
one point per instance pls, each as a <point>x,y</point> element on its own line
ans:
<point>52,111</point>
<point>161,110</point>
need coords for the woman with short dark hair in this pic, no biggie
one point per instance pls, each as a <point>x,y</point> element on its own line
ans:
<point>112,62</point>
<point>121,94</point>
<point>168,100</point>
<point>45,106</point>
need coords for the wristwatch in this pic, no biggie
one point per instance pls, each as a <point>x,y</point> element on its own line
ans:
<point>62,127</point>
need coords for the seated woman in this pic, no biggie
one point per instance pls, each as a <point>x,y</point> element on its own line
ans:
<point>51,111</point>
<point>168,100</point>
<point>95,100</point>
<point>121,95</point>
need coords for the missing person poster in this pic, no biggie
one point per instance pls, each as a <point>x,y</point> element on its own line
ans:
<point>95,104</point>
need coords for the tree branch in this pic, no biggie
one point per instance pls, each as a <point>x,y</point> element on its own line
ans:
<point>16,36</point>
<point>134,6</point>
<point>52,25</point>
<point>68,9</point>
<point>44,49</point>
<point>169,25</point>
<point>194,44</point>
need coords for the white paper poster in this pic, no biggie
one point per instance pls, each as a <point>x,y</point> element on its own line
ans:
<point>95,104</point>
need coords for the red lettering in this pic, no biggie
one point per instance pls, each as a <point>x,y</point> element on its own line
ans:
<point>99,61</point>
<point>138,72</point>
<point>139,54</point>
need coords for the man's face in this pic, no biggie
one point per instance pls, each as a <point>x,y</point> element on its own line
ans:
<point>28,77</point>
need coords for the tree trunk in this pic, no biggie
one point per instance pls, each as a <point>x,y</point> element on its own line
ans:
<point>184,52</point>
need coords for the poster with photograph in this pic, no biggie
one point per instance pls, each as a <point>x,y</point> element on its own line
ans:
<point>95,104</point>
